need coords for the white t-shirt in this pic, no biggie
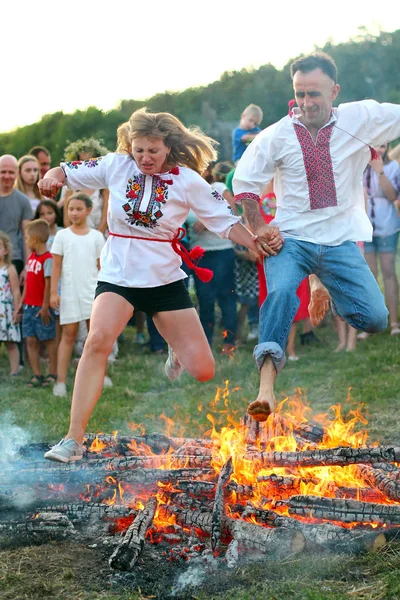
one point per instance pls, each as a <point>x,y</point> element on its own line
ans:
<point>381,211</point>
<point>79,272</point>
<point>318,185</point>
<point>147,206</point>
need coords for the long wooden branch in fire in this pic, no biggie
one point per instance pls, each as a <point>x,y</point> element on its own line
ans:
<point>346,511</point>
<point>326,536</point>
<point>157,442</point>
<point>218,511</point>
<point>127,553</point>
<point>96,471</point>
<point>340,456</point>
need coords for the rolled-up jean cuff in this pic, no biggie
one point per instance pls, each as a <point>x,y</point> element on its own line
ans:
<point>274,351</point>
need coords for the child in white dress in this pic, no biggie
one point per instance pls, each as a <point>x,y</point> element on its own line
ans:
<point>76,251</point>
<point>10,298</point>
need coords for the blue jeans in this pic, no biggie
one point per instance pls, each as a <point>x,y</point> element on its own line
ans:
<point>342,269</point>
<point>221,288</point>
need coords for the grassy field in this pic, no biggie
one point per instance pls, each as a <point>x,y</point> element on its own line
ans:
<point>141,394</point>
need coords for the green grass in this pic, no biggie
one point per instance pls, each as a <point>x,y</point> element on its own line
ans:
<point>141,393</point>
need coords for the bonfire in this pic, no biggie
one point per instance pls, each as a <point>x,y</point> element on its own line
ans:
<point>299,482</point>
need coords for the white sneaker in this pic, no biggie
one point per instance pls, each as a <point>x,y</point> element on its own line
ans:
<point>363,335</point>
<point>293,357</point>
<point>173,368</point>
<point>65,451</point>
<point>60,389</point>
<point>107,382</point>
<point>253,334</point>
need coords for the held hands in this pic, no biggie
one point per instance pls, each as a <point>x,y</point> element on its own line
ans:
<point>268,241</point>
<point>49,187</point>
<point>16,317</point>
<point>54,301</point>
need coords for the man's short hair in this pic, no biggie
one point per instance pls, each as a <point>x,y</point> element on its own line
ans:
<point>35,151</point>
<point>39,229</point>
<point>315,60</point>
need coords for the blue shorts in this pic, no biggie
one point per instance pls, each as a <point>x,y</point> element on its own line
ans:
<point>33,326</point>
<point>386,243</point>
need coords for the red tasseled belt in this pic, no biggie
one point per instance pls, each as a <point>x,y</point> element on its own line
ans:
<point>188,258</point>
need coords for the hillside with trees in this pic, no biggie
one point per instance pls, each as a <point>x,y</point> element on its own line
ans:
<point>368,68</point>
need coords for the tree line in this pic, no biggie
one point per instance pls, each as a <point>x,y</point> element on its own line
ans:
<point>367,64</point>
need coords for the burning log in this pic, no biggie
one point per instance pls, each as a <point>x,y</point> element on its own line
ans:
<point>197,487</point>
<point>43,525</point>
<point>308,432</point>
<point>346,511</point>
<point>157,442</point>
<point>187,501</point>
<point>340,456</point>
<point>279,542</point>
<point>363,494</point>
<point>375,477</point>
<point>392,471</point>
<point>283,486</point>
<point>124,468</point>
<point>325,536</point>
<point>81,511</point>
<point>218,509</point>
<point>127,553</point>
<point>241,491</point>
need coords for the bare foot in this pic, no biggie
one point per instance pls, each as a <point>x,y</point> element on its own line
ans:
<point>261,409</point>
<point>320,299</point>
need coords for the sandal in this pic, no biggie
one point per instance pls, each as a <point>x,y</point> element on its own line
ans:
<point>35,381</point>
<point>50,380</point>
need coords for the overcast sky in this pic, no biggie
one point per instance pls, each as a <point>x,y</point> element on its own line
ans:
<point>70,55</point>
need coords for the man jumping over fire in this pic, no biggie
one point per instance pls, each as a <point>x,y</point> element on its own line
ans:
<point>316,156</point>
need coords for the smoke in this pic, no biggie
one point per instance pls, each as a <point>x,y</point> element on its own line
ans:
<point>12,438</point>
<point>196,573</point>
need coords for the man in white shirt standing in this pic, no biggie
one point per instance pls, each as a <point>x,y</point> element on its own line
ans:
<point>316,156</point>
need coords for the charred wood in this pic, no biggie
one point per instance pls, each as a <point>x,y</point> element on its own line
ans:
<point>346,511</point>
<point>327,457</point>
<point>42,527</point>
<point>325,536</point>
<point>275,541</point>
<point>375,477</point>
<point>127,553</point>
<point>218,511</point>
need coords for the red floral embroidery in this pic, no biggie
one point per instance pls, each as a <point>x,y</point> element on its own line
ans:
<point>245,195</point>
<point>174,171</point>
<point>318,165</point>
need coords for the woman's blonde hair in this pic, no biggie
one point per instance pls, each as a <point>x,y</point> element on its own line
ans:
<point>8,246</point>
<point>189,147</point>
<point>19,184</point>
<point>394,153</point>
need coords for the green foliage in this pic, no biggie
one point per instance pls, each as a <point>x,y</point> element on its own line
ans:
<point>368,68</point>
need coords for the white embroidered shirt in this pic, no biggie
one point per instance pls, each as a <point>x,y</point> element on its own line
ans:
<point>147,206</point>
<point>319,186</point>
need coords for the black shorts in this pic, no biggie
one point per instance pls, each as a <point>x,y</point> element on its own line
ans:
<point>173,296</point>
